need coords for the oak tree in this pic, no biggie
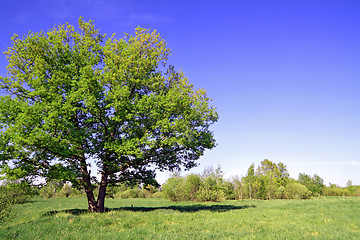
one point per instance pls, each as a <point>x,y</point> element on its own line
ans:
<point>75,97</point>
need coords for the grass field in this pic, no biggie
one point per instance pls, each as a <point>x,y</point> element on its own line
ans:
<point>67,218</point>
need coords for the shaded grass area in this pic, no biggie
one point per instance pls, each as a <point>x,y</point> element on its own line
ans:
<point>324,218</point>
<point>189,208</point>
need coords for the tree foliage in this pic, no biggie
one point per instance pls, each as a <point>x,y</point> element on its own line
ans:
<point>75,96</point>
<point>315,184</point>
<point>265,183</point>
<point>297,191</point>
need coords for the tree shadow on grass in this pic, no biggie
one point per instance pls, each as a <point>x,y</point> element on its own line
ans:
<point>74,211</point>
<point>188,208</point>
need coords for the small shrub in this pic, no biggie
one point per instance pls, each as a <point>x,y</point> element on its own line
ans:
<point>297,191</point>
<point>280,193</point>
<point>51,189</point>
<point>208,195</point>
<point>144,193</point>
<point>131,193</point>
<point>158,195</point>
<point>192,186</point>
<point>151,188</point>
<point>13,193</point>
<point>335,190</point>
<point>174,189</point>
<point>66,190</point>
<point>210,190</point>
<point>47,191</point>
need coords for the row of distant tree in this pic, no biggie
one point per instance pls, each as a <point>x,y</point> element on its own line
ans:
<point>124,190</point>
<point>267,181</point>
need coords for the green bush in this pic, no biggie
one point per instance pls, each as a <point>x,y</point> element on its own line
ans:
<point>208,187</point>
<point>13,193</point>
<point>66,190</point>
<point>210,195</point>
<point>229,190</point>
<point>314,184</point>
<point>48,191</point>
<point>158,194</point>
<point>192,186</point>
<point>280,193</point>
<point>353,189</point>
<point>114,191</point>
<point>131,193</point>
<point>174,189</point>
<point>144,193</point>
<point>297,191</point>
<point>210,190</point>
<point>335,190</point>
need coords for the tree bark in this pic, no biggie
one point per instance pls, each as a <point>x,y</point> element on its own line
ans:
<point>92,204</point>
<point>250,193</point>
<point>102,193</point>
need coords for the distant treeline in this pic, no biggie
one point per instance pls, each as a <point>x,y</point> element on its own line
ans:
<point>124,190</point>
<point>268,181</point>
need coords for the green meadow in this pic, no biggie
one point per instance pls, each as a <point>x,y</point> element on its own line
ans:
<point>67,218</point>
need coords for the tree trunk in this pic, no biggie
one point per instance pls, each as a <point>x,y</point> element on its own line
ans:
<point>250,194</point>
<point>92,204</point>
<point>102,193</point>
<point>99,205</point>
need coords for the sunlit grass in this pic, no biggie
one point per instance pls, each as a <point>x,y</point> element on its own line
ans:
<point>67,218</point>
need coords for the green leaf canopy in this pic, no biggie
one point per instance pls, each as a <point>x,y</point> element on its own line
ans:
<point>75,96</point>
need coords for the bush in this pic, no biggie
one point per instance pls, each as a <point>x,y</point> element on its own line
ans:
<point>229,190</point>
<point>66,190</point>
<point>51,189</point>
<point>353,189</point>
<point>144,193</point>
<point>297,191</point>
<point>335,190</point>
<point>5,202</point>
<point>314,184</point>
<point>280,193</point>
<point>13,193</point>
<point>210,190</point>
<point>113,191</point>
<point>192,186</point>
<point>158,195</point>
<point>131,193</point>
<point>208,187</point>
<point>48,191</point>
<point>209,195</point>
<point>174,189</point>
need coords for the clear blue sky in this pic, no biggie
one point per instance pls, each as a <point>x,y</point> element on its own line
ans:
<point>284,75</point>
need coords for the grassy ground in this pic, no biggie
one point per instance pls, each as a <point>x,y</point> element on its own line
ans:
<point>62,218</point>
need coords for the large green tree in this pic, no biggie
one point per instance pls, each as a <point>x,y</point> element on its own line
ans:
<point>75,96</point>
<point>272,176</point>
